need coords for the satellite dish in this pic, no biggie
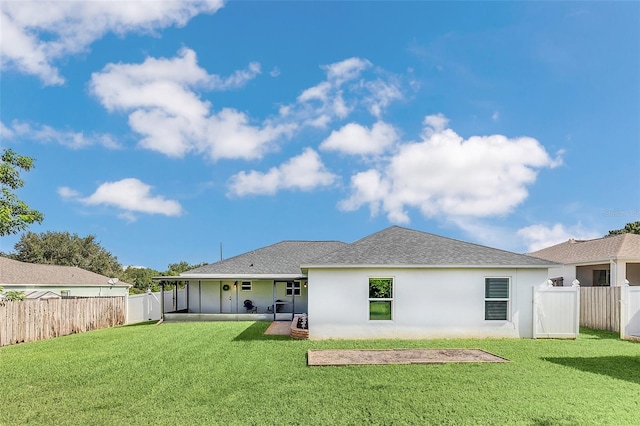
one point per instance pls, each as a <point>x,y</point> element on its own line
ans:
<point>112,281</point>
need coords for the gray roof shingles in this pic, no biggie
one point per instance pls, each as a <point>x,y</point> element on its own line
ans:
<point>399,246</point>
<point>281,258</point>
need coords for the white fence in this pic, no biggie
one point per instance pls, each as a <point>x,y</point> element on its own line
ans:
<point>146,307</point>
<point>630,312</point>
<point>556,312</point>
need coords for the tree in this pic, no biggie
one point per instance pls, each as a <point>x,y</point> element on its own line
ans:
<point>15,214</point>
<point>63,248</point>
<point>140,278</point>
<point>629,228</point>
<point>180,267</point>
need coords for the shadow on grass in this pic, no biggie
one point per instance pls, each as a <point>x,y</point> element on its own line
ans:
<point>256,332</point>
<point>591,333</point>
<point>141,323</point>
<point>617,367</point>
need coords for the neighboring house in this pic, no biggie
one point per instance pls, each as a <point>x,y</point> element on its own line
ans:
<point>65,281</point>
<point>607,261</point>
<point>398,283</point>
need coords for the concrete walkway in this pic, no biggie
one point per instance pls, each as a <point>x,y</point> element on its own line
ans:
<point>279,328</point>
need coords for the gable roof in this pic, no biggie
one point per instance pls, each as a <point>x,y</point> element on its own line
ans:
<point>398,246</point>
<point>22,273</point>
<point>282,259</point>
<point>623,246</point>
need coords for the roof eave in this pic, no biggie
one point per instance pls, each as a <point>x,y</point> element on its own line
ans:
<point>452,266</point>
<point>234,277</point>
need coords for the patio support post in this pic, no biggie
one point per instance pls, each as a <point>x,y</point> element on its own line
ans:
<point>293,300</point>
<point>187,293</point>
<point>162,300</point>
<point>199,296</point>
<point>275,308</point>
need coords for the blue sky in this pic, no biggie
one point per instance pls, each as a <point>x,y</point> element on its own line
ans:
<point>167,128</point>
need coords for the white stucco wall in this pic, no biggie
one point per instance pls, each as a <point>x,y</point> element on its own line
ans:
<point>428,303</point>
<point>77,291</point>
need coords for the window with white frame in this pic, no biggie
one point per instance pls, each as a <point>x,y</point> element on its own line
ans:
<point>496,298</point>
<point>293,288</point>
<point>246,286</point>
<point>380,299</point>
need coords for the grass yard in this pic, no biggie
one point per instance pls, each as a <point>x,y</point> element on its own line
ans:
<point>229,373</point>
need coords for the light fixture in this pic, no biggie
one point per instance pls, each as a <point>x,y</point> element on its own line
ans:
<point>235,284</point>
<point>549,283</point>
<point>305,284</point>
<point>575,283</point>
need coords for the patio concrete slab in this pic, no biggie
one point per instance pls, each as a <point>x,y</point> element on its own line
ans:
<point>399,356</point>
<point>279,328</point>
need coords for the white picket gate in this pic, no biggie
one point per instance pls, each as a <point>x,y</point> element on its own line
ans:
<point>630,312</point>
<point>556,312</point>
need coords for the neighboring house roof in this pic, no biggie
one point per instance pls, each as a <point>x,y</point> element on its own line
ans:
<point>623,246</point>
<point>13,272</point>
<point>397,246</point>
<point>282,259</point>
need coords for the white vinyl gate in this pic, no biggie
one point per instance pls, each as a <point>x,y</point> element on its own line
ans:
<point>556,312</point>
<point>630,312</point>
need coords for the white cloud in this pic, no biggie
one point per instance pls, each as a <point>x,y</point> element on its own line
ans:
<point>66,192</point>
<point>161,97</point>
<point>445,174</point>
<point>36,34</point>
<point>349,69</point>
<point>164,108</point>
<point>381,94</point>
<point>275,71</point>
<point>354,138</point>
<point>46,134</point>
<point>540,236</point>
<point>304,172</point>
<point>129,195</point>
<point>495,116</point>
<point>344,89</point>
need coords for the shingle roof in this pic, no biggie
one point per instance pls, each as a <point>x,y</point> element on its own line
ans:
<point>281,258</point>
<point>623,246</point>
<point>16,272</point>
<point>397,246</point>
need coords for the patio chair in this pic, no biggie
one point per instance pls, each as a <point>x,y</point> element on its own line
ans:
<point>250,307</point>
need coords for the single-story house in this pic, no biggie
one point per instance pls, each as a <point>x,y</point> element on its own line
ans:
<point>396,283</point>
<point>66,281</point>
<point>607,261</point>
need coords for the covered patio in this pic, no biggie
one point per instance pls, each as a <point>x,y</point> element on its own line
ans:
<point>237,298</point>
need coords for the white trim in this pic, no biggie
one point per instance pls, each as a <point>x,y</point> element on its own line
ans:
<point>233,277</point>
<point>384,299</point>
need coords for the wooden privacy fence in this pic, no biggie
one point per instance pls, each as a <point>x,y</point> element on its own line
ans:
<point>600,308</point>
<point>30,320</point>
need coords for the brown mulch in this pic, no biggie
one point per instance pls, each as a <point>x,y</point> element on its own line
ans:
<point>399,356</point>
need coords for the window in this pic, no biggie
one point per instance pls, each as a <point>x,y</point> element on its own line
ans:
<point>496,299</point>
<point>65,293</point>
<point>246,286</point>
<point>601,277</point>
<point>293,288</point>
<point>380,299</point>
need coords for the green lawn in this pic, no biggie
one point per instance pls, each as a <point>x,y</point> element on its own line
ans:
<point>229,373</point>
